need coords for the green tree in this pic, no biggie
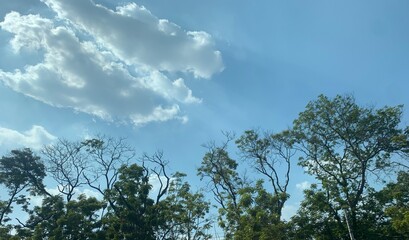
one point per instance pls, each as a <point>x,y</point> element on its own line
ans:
<point>317,217</point>
<point>270,155</point>
<point>397,204</point>
<point>259,217</point>
<point>106,156</point>
<point>44,219</point>
<point>247,210</point>
<point>224,182</point>
<point>20,172</point>
<point>81,220</point>
<point>56,219</point>
<point>183,212</point>
<point>343,144</point>
<point>133,212</point>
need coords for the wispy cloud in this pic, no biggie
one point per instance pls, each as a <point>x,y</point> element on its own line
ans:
<point>34,138</point>
<point>111,64</point>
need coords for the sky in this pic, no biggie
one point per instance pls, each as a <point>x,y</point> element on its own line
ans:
<point>171,75</point>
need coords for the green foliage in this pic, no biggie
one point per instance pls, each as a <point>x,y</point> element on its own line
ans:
<point>225,183</point>
<point>397,195</point>
<point>317,217</point>
<point>259,214</point>
<point>183,212</point>
<point>343,144</point>
<point>133,212</point>
<point>54,219</point>
<point>44,219</point>
<point>271,157</point>
<point>81,219</point>
<point>19,172</point>
<point>248,211</point>
<point>126,210</point>
<point>22,169</point>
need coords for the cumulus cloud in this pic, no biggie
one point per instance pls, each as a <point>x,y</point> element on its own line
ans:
<point>111,64</point>
<point>138,37</point>
<point>34,138</point>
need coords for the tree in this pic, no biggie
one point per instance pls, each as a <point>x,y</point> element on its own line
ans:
<point>56,219</point>
<point>397,204</point>
<point>248,210</point>
<point>343,144</point>
<point>66,163</point>
<point>159,172</point>
<point>224,182</point>
<point>20,171</point>
<point>259,218</point>
<point>44,219</point>
<point>270,155</point>
<point>81,219</point>
<point>183,212</point>
<point>107,155</point>
<point>403,140</point>
<point>317,217</point>
<point>133,210</point>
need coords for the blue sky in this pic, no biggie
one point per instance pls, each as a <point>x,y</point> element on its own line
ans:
<point>171,75</point>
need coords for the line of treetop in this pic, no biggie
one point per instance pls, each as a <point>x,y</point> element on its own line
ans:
<point>358,156</point>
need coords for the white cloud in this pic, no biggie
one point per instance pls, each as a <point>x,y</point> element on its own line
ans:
<point>29,30</point>
<point>159,114</point>
<point>34,138</point>
<point>111,64</point>
<point>303,185</point>
<point>135,35</point>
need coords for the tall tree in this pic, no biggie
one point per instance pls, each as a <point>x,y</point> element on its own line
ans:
<point>223,180</point>
<point>247,210</point>
<point>270,155</point>
<point>133,210</point>
<point>343,144</point>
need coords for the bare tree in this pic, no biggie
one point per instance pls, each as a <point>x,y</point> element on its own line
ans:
<point>66,163</point>
<point>159,171</point>
<point>107,155</point>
